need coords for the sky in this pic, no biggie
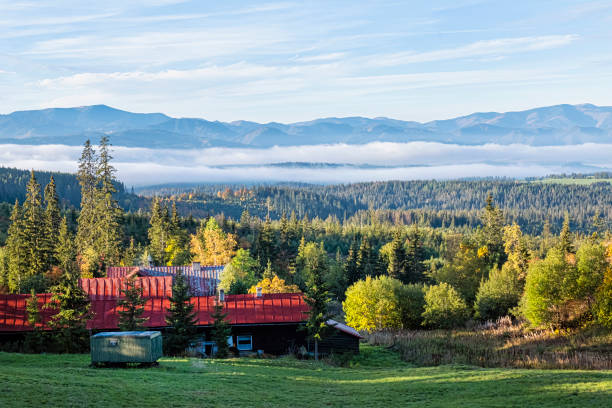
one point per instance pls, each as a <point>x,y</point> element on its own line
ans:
<point>292,61</point>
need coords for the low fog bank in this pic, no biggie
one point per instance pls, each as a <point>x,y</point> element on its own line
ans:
<point>401,161</point>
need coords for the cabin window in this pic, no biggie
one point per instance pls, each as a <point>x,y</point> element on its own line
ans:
<point>244,343</point>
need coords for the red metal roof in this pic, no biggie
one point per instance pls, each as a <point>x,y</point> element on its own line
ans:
<point>152,286</point>
<point>241,309</point>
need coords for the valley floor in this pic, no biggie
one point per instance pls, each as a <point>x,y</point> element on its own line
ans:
<point>375,378</point>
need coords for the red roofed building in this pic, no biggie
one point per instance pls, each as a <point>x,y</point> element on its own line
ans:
<point>269,322</point>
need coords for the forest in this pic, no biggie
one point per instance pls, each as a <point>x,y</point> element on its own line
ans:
<point>456,252</point>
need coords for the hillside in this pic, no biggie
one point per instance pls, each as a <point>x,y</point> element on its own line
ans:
<point>377,378</point>
<point>436,203</point>
<point>553,125</point>
<point>13,187</point>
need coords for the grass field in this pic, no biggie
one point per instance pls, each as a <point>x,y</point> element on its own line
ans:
<point>377,378</point>
<point>578,181</point>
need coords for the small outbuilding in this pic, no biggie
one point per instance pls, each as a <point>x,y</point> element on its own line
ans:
<point>143,347</point>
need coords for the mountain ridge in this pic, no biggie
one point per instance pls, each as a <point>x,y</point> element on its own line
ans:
<point>551,125</point>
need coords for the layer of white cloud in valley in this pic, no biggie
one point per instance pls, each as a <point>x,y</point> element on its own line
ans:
<point>353,163</point>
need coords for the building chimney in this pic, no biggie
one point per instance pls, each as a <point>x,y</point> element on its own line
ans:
<point>259,291</point>
<point>221,296</point>
<point>195,266</point>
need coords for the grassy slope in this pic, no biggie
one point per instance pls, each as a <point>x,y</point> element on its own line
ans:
<point>583,182</point>
<point>377,378</point>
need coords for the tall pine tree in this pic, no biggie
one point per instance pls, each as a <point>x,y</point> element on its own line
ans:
<point>53,219</point>
<point>397,258</point>
<point>109,233</point>
<point>316,293</point>
<point>181,317</point>
<point>17,251</point>
<point>34,235</point>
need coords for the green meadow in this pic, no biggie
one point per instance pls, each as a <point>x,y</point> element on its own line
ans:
<point>376,378</point>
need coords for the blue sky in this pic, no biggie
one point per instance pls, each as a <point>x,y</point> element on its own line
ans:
<point>292,61</point>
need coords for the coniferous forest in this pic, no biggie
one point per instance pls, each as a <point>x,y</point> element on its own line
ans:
<point>444,252</point>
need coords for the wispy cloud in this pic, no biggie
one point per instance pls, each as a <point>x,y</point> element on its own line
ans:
<point>321,57</point>
<point>502,46</point>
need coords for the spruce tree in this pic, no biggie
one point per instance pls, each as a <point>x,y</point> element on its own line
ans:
<point>159,232</point>
<point>565,238</point>
<point>130,255</point>
<point>493,224</point>
<point>73,312</point>
<point>177,250</point>
<point>351,271</point>
<point>53,220</point>
<point>181,318</point>
<point>87,180</point>
<point>415,255</point>
<point>38,260</point>
<point>221,330</point>
<point>65,250</point>
<point>397,258</point>
<point>34,340</point>
<point>266,250</point>
<point>316,293</point>
<point>107,225</point>
<point>17,251</point>
<point>368,261</point>
<point>131,307</point>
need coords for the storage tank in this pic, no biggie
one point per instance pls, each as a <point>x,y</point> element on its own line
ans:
<point>126,347</point>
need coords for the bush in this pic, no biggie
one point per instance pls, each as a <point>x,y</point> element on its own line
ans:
<point>412,304</point>
<point>498,294</point>
<point>562,289</point>
<point>382,303</point>
<point>544,288</point>
<point>444,307</point>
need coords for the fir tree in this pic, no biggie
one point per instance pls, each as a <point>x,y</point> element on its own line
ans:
<point>17,251</point>
<point>38,261</point>
<point>130,255</point>
<point>368,262</point>
<point>316,293</point>
<point>159,232</point>
<point>73,311</point>
<point>565,239</point>
<point>221,330</point>
<point>65,250</point>
<point>88,182</point>
<point>351,272</point>
<point>107,226</point>
<point>493,224</point>
<point>181,318</point>
<point>34,340</point>
<point>414,257</point>
<point>177,249</point>
<point>397,258</point>
<point>53,220</point>
<point>132,307</point>
<point>266,250</point>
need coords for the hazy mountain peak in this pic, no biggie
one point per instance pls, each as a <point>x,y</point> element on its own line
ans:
<point>550,125</point>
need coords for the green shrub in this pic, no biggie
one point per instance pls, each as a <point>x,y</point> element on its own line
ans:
<point>412,304</point>
<point>498,294</point>
<point>544,293</point>
<point>383,303</point>
<point>444,307</point>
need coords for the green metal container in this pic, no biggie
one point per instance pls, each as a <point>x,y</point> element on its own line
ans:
<point>126,347</point>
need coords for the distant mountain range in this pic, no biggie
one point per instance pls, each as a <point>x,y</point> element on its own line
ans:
<point>546,126</point>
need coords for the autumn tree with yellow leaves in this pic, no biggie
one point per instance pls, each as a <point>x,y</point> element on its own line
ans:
<point>211,245</point>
